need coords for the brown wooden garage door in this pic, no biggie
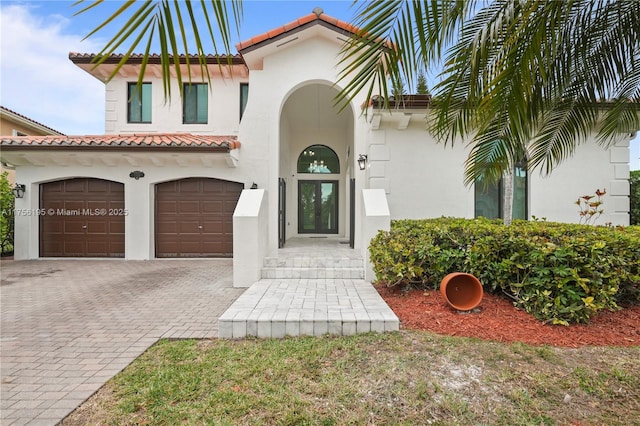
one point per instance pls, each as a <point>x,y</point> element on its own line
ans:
<point>194,217</point>
<point>82,217</point>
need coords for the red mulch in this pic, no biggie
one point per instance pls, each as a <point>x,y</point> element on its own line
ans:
<point>497,319</point>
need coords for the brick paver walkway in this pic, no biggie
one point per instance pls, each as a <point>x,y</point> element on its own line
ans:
<point>67,326</point>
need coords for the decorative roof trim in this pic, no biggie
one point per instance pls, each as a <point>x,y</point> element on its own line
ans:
<point>136,59</point>
<point>315,18</point>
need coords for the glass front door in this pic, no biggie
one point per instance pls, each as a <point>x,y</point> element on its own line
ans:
<point>317,207</point>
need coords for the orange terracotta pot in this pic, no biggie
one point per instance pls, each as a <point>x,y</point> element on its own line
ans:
<point>462,291</point>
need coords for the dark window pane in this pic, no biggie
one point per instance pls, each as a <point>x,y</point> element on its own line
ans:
<point>244,97</point>
<point>520,193</point>
<point>487,200</point>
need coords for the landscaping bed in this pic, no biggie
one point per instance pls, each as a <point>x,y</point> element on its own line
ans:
<point>559,273</point>
<point>497,319</point>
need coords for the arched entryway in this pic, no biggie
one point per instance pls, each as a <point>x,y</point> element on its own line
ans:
<point>316,149</point>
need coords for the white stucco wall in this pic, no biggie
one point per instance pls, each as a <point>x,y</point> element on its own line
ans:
<point>591,167</point>
<point>424,179</point>
<point>223,107</point>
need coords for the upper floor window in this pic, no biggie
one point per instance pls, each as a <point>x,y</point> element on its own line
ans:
<point>318,159</point>
<point>490,197</point>
<point>244,97</point>
<point>139,103</point>
<point>18,133</point>
<point>195,108</point>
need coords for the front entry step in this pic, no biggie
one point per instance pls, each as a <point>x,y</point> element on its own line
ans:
<point>313,273</point>
<point>309,288</point>
<point>273,308</point>
<point>313,267</point>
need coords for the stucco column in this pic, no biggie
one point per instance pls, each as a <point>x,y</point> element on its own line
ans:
<point>138,222</point>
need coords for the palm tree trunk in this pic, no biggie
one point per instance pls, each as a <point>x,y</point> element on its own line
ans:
<point>507,206</point>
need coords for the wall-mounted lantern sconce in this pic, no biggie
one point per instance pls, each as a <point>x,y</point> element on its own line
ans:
<point>362,161</point>
<point>136,174</point>
<point>18,190</point>
<point>254,186</point>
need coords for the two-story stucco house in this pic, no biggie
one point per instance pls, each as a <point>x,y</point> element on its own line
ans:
<point>166,179</point>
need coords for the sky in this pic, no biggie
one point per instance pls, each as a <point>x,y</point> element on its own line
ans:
<point>38,80</point>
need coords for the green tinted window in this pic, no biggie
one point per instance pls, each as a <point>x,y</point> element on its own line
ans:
<point>139,103</point>
<point>195,103</point>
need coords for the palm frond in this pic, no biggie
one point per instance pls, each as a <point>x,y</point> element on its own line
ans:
<point>168,24</point>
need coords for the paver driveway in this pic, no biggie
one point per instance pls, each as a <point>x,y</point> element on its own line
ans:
<point>68,326</point>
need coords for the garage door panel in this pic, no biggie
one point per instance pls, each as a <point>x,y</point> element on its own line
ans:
<point>54,246</point>
<point>55,187</point>
<point>215,186</point>
<point>167,207</point>
<point>212,207</point>
<point>117,227</point>
<point>74,248</point>
<point>98,228</point>
<point>75,229</point>
<point>101,248</point>
<point>190,186</point>
<point>230,206</point>
<point>97,205</point>
<point>52,227</point>
<point>213,227</point>
<point>74,185</point>
<point>199,216</point>
<point>214,246</point>
<point>98,185</point>
<point>167,187</point>
<point>191,227</point>
<point>189,207</point>
<point>167,228</point>
<point>116,247</point>
<point>74,205</point>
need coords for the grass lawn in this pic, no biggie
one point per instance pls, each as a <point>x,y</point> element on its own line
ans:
<point>407,377</point>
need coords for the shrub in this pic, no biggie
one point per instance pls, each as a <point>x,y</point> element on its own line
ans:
<point>561,273</point>
<point>7,205</point>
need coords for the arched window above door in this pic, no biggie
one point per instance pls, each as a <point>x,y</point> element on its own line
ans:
<point>318,159</point>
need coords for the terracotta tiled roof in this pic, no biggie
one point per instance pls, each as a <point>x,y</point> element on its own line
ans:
<point>132,141</point>
<point>154,58</point>
<point>315,17</point>
<point>24,117</point>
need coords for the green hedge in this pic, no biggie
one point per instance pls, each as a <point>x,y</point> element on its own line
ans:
<point>561,273</point>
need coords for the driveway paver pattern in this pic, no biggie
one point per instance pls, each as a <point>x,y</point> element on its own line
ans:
<point>68,326</point>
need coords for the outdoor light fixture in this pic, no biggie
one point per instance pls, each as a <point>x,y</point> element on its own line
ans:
<point>19,190</point>
<point>254,186</point>
<point>362,161</point>
<point>136,174</point>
